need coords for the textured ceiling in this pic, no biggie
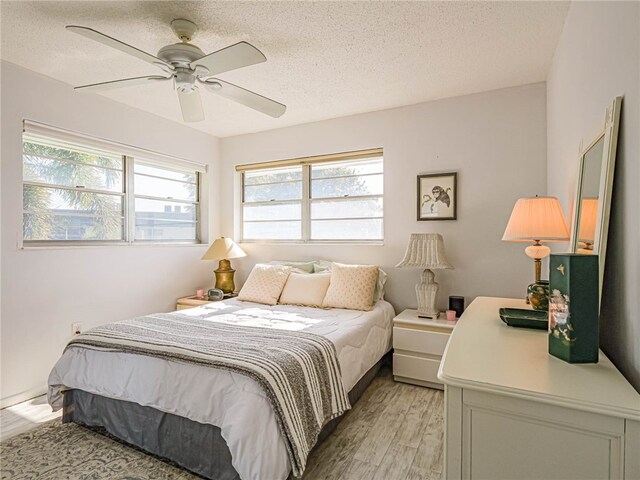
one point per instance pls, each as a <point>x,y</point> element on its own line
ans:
<point>325,59</point>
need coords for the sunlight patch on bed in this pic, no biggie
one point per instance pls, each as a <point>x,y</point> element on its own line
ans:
<point>254,317</point>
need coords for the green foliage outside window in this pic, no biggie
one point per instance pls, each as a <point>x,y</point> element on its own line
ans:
<point>58,166</point>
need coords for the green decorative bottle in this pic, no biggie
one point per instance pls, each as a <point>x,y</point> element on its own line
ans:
<point>574,307</point>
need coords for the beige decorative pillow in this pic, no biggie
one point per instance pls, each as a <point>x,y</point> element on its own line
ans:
<point>305,289</point>
<point>351,286</point>
<point>378,294</point>
<point>265,283</point>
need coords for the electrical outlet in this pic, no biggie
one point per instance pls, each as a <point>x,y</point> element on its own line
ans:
<point>76,328</point>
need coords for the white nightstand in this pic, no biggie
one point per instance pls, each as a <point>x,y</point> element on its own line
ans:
<point>418,345</point>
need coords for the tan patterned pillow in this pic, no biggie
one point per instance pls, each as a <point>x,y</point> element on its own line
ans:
<point>305,289</point>
<point>265,284</point>
<point>351,286</point>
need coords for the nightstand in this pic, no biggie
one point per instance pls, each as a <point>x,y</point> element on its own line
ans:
<point>190,302</point>
<point>418,345</point>
<point>193,301</point>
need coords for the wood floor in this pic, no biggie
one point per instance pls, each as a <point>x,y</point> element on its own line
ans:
<point>25,416</point>
<point>394,432</point>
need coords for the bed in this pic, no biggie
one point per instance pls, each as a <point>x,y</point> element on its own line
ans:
<point>217,423</point>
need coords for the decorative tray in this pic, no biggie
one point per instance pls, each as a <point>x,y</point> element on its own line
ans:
<point>517,317</point>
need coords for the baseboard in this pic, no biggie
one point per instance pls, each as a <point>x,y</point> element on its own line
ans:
<point>420,383</point>
<point>22,397</point>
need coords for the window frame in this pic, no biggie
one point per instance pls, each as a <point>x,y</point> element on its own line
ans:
<point>130,161</point>
<point>280,202</point>
<point>306,199</point>
<point>127,194</point>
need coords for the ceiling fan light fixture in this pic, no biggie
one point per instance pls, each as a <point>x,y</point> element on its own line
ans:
<point>185,82</point>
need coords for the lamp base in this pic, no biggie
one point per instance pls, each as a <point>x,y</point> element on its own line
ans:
<point>224,277</point>
<point>426,294</point>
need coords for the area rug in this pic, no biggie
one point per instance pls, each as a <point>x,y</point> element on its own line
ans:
<point>68,451</point>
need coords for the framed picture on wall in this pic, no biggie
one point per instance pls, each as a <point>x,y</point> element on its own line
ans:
<point>438,196</point>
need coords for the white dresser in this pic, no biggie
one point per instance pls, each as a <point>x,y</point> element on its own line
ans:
<point>418,345</point>
<point>512,411</point>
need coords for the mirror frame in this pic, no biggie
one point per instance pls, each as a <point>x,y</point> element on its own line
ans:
<point>607,170</point>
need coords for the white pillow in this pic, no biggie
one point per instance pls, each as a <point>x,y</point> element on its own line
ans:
<point>351,286</point>
<point>304,266</point>
<point>265,284</point>
<point>378,294</point>
<point>305,289</point>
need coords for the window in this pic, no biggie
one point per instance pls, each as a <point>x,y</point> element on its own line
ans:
<point>272,207</point>
<point>166,203</point>
<point>71,193</point>
<point>329,198</point>
<point>75,192</point>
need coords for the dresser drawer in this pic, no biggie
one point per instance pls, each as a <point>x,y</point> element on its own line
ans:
<point>424,369</point>
<point>421,341</point>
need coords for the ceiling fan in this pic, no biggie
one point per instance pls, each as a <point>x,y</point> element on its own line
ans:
<point>190,68</point>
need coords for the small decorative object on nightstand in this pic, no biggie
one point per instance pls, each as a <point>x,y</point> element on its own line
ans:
<point>426,250</point>
<point>194,301</point>
<point>223,249</point>
<point>456,303</point>
<point>215,294</point>
<point>537,219</point>
<point>418,345</point>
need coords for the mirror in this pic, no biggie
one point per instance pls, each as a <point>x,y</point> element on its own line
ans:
<point>587,213</point>
<point>592,203</point>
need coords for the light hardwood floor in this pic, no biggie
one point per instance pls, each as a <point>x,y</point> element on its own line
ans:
<point>394,432</point>
<point>25,416</point>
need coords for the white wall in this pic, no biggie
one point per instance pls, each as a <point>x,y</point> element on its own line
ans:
<point>598,57</point>
<point>44,291</point>
<point>495,140</point>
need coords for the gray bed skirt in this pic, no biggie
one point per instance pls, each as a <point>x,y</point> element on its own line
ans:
<point>185,442</point>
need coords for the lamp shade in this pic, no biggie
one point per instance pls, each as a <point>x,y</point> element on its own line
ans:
<point>588,218</point>
<point>537,218</point>
<point>425,250</point>
<point>223,248</point>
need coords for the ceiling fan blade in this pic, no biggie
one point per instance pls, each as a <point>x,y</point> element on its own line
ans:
<point>125,82</point>
<point>245,97</point>
<point>191,106</point>
<point>235,56</point>
<point>117,44</point>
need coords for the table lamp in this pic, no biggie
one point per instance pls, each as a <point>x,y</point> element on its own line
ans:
<point>426,250</point>
<point>223,249</point>
<point>537,219</point>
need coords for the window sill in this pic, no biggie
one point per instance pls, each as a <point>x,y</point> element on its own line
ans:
<point>355,243</point>
<point>113,245</point>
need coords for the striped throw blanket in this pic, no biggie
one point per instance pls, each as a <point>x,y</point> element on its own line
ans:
<point>298,371</point>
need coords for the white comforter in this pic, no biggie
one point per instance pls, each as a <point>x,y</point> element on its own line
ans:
<point>233,402</point>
